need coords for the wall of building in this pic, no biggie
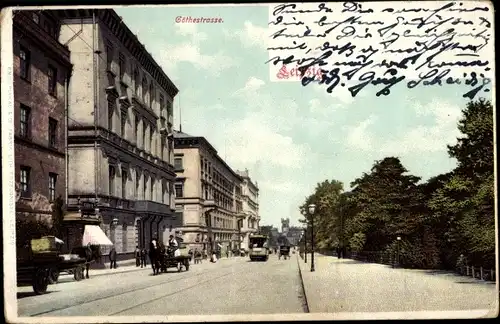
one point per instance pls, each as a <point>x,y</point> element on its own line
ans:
<point>80,98</point>
<point>34,151</point>
<point>143,161</point>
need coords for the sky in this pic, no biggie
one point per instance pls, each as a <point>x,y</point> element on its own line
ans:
<point>288,136</point>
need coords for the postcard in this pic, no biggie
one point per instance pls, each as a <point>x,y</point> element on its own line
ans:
<point>249,162</point>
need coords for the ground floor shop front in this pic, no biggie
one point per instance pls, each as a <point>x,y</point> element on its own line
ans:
<point>126,229</point>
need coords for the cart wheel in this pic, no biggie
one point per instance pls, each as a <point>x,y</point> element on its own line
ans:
<point>186,264</point>
<point>78,273</point>
<point>53,275</point>
<point>40,281</point>
<point>179,267</point>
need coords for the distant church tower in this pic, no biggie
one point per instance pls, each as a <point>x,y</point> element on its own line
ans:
<point>285,225</point>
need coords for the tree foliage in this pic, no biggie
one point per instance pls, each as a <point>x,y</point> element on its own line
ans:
<point>447,215</point>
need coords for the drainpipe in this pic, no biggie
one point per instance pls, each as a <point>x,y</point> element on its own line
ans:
<point>66,159</point>
<point>95,103</point>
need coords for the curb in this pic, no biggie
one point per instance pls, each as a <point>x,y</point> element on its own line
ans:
<point>306,304</point>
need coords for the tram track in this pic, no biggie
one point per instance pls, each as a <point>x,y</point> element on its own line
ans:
<point>138,289</point>
<point>196,285</point>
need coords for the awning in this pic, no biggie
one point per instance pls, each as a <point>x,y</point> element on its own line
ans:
<point>58,240</point>
<point>94,235</point>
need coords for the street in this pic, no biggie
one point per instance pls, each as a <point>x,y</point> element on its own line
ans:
<point>231,286</point>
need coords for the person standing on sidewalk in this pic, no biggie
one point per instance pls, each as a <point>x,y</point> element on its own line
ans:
<point>137,256</point>
<point>112,258</point>
<point>88,258</point>
<point>144,256</point>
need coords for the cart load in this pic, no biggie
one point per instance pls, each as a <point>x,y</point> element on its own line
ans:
<point>35,262</point>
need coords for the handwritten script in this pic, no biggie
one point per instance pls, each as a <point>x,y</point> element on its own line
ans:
<point>355,45</point>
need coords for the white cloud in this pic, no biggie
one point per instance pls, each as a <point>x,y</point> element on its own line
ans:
<point>250,140</point>
<point>190,53</point>
<point>428,138</point>
<point>251,35</point>
<point>288,187</point>
<point>191,30</point>
<point>358,136</point>
<point>252,85</point>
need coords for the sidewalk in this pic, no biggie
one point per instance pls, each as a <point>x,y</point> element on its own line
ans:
<point>345,285</point>
<point>129,266</point>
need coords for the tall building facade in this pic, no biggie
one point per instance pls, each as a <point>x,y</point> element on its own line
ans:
<point>285,225</point>
<point>250,197</point>
<point>208,195</point>
<point>42,69</point>
<point>120,146</point>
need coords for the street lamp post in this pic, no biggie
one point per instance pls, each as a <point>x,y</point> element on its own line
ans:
<point>312,208</point>
<point>397,256</point>
<point>305,245</point>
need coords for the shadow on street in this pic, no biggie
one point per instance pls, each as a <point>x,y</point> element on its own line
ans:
<point>25,294</point>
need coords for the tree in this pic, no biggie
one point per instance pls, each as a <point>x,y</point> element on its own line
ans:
<point>325,197</point>
<point>467,199</point>
<point>384,197</point>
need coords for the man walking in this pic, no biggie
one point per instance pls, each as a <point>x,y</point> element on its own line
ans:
<point>112,258</point>
<point>137,256</point>
<point>88,258</point>
<point>144,257</point>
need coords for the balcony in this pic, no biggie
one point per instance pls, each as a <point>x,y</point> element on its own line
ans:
<point>147,206</point>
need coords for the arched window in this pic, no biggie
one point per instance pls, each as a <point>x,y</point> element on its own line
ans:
<point>151,95</point>
<point>144,89</point>
<point>136,81</point>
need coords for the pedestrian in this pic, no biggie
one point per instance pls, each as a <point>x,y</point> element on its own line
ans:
<point>144,257</point>
<point>190,253</point>
<point>137,256</point>
<point>88,258</point>
<point>197,256</point>
<point>112,258</point>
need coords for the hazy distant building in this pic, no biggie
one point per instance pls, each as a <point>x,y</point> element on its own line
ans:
<point>250,196</point>
<point>208,195</point>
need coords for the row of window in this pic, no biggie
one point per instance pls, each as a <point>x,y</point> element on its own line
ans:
<point>123,123</point>
<point>146,92</point>
<point>25,71</point>
<point>124,182</point>
<point>26,184</point>
<point>25,121</point>
<point>222,236</point>
<point>207,171</point>
<point>223,223</point>
<point>47,25</point>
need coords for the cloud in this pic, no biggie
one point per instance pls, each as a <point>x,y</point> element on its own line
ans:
<point>252,85</point>
<point>288,187</point>
<point>190,53</point>
<point>358,136</point>
<point>419,139</point>
<point>250,140</point>
<point>431,138</point>
<point>191,30</point>
<point>251,35</point>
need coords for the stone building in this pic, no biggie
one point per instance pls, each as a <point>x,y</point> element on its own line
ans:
<point>208,195</point>
<point>250,196</point>
<point>120,146</point>
<point>42,70</point>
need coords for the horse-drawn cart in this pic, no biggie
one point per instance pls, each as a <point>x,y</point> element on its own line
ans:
<point>170,260</point>
<point>35,262</point>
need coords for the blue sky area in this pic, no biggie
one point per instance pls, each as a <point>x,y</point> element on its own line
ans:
<point>288,136</point>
